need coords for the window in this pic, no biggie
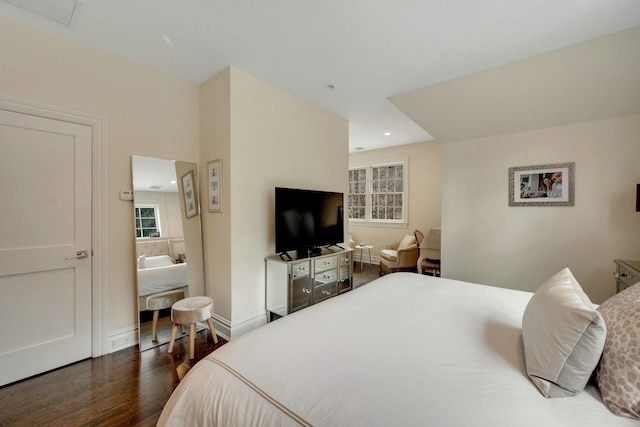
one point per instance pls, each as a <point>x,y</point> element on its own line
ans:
<point>377,193</point>
<point>147,224</point>
<point>357,200</point>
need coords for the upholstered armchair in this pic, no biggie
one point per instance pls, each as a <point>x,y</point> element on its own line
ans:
<point>402,256</point>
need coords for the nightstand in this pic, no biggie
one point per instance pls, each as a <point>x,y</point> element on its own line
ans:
<point>627,274</point>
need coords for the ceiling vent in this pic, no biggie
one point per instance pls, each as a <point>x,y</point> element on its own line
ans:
<point>61,11</point>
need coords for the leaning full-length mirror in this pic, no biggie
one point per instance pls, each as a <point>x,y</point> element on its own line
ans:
<point>168,235</point>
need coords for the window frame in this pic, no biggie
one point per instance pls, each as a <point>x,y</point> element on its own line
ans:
<point>156,211</point>
<point>368,220</point>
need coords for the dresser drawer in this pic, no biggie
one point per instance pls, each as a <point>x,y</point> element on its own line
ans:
<point>326,276</point>
<point>627,274</point>
<point>325,264</point>
<point>325,291</point>
<point>300,270</point>
<point>344,259</point>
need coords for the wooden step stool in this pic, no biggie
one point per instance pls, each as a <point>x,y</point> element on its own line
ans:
<point>191,311</point>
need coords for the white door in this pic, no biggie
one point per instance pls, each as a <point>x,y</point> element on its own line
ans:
<point>45,228</point>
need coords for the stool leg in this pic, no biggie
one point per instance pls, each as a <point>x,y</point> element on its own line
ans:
<point>174,330</point>
<point>192,340</point>
<point>154,325</point>
<point>213,330</point>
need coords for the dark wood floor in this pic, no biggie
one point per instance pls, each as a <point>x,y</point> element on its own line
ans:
<point>365,275</point>
<point>126,388</point>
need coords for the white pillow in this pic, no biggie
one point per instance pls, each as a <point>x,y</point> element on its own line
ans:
<point>563,336</point>
<point>158,261</point>
<point>407,241</point>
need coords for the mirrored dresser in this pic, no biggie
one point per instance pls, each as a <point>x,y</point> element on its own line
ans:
<point>627,274</point>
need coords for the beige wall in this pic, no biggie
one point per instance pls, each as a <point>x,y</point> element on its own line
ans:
<point>425,160</point>
<point>148,113</point>
<point>266,138</point>
<point>486,241</point>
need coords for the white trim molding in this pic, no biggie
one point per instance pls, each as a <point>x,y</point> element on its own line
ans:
<point>99,281</point>
<point>122,338</point>
<point>231,330</point>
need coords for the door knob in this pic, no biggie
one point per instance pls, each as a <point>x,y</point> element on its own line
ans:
<point>79,255</point>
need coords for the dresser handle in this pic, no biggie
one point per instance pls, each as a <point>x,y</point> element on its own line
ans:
<point>324,291</point>
<point>620,275</point>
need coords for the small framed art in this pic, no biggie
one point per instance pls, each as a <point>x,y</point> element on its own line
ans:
<point>190,196</point>
<point>542,185</point>
<point>214,180</point>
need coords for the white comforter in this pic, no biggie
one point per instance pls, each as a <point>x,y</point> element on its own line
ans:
<point>161,275</point>
<point>405,350</point>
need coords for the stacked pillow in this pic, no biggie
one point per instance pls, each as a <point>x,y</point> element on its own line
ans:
<point>618,374</point>
<point>566,338</point>
<point>563,335</point>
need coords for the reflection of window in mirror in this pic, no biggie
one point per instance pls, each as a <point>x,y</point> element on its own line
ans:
<point>147,221</point>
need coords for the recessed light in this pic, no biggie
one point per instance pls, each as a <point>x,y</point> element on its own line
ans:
<point>358,148</point>
<point>387,133</point>
<point>173,182</point>
<point>329,87</point>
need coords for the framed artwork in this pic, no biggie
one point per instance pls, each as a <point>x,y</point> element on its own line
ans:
<point>542,185</point>
<point>214,180</point>
<point>189,193</point>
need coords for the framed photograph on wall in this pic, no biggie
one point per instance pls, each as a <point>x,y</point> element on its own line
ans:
<point>189,193</point>
<point>214,192</point>
<point>542,185</point>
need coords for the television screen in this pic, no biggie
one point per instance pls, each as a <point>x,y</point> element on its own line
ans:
<point>307,219</point>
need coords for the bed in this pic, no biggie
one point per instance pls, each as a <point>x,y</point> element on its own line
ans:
<point>159,274</point>
<point>404,350</point>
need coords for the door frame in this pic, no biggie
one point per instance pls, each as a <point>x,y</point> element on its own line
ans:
<point>99,207</point>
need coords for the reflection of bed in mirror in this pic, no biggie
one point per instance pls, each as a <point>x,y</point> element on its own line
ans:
<point>161,266</point>
<point>162,280</point>
<point>159,274</point>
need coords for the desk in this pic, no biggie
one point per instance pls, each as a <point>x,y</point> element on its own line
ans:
<point>362,248</point>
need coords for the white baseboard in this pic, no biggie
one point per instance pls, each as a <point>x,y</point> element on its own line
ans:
<point>122,338</point>
<point>375,260</point>
<point>128,337</point>
<point>230,330</point>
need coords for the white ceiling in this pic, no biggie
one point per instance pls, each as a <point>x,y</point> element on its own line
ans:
<point>594,80</point>
<point>369,50</point>
<point>153,174</point>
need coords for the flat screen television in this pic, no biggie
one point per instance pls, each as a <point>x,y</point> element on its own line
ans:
<point>307,220</point>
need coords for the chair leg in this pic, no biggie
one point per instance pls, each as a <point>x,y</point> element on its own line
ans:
<point>192,340</point>
<point>154,325</point>
<point>213,330</point>
<point>174,331</point>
